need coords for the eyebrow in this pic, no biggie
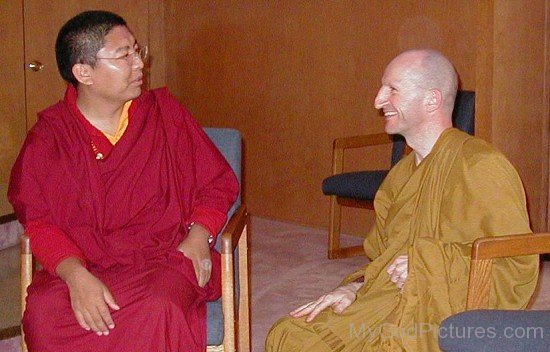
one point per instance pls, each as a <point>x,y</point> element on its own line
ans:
<point>126,48</point>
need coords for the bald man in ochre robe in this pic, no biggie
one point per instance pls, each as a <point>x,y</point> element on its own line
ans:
<point>450,190</point>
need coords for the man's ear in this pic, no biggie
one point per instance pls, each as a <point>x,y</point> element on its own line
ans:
<point>433,100</point>
<point>83,73</point>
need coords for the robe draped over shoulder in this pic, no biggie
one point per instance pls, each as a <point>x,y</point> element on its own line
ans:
<point>124,217</point>
<point>432,212</point>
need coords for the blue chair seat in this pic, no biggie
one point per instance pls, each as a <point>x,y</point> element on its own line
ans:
<point>496,330</point>
<point>361,185</point>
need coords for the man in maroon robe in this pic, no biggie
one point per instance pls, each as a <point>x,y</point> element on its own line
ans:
<point>122,195</point>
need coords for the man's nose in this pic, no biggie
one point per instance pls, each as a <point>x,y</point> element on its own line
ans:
<point>138,62</point>
<point>380,100</point>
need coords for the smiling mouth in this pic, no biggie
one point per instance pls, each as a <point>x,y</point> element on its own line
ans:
<point>389,114</point>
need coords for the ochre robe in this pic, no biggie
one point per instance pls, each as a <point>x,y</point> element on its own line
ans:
<point>432,212</point>
<point>124,217</point>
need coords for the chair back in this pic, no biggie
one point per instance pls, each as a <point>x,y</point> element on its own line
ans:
<point>464,111</point>
<point>229,143</point>
<point>463,119</point>
<point>398,148</point>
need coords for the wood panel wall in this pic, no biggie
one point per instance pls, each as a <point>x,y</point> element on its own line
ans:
<point>519,103</point>
<point>292,76</point>
<point>12,101</point>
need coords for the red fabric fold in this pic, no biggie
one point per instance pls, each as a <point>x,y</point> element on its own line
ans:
<point>211,219</point>
<point>50,245</point>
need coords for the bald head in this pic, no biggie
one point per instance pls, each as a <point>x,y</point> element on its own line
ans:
<point>429,69</point>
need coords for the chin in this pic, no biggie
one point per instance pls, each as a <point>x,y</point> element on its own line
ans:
<point>135,93</point>
<point>391,130</point>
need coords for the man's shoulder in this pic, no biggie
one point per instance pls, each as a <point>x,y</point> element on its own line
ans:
<point>480,157</point>
<point>48,119</point>
<point>52,112</point>
<point>478,149</point>
<point>161,94</point>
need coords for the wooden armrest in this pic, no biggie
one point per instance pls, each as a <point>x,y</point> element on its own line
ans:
<point>484,250</point>
<point>511,246</point>
<point>340,144</point>
<point>362,141</point>
<point>233,230</point>
<point>25,244</point>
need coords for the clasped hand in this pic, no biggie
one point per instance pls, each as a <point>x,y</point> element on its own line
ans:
<point>398,270</point>
<point>195,247</point>
<point>339,300</point>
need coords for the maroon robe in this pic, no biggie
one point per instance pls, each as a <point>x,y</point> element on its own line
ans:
<point>124,216</point>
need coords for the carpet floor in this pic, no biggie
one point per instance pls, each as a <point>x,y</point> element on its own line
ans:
<point>289,267</point>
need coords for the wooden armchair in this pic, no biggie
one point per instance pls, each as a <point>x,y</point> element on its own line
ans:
<point>228,321</point>
<point>494,328</point>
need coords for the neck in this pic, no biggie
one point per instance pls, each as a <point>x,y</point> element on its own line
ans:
<point>101,113</point>
<point>423,141</point>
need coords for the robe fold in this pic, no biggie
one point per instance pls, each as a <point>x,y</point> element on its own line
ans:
<point>432,212</point>
<point>124,217</point>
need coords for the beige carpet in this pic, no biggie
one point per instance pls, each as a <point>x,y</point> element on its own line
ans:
<point>9,287</point>
<point>289,268</point>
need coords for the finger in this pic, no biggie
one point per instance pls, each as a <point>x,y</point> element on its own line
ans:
<point>206,270</point>
<point>319,308</point>
<point>110,300</point>
<point>394,277</point>
<point>304,310</point>
<point>206,264</point>
<point>201,279</point>
<point>401,267</point>
<point>307,309</point>
<point>196,267</point>
<point>100,324</point>
<point>302,307</point>
<point>106,317</point>
<point>81,321</point>
<point>340,306</point>
<point>91,322</point>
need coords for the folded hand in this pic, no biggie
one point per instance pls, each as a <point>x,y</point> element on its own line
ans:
<point>90,298</point>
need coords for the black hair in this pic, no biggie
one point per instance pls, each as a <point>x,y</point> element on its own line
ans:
<point>81,38</point>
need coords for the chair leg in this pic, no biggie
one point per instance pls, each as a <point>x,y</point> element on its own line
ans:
<point>244,297</point>
<point>228,305</point>
<point>334,232</point>
<point>26,278</point>
<point>334,228</point>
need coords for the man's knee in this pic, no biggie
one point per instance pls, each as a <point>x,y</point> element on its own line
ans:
<point>287,334</point>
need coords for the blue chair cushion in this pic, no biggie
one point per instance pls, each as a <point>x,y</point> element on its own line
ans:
<point>496,330</point>
<point>360,185</point>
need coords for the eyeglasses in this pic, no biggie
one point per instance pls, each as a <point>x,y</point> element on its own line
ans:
<point>130,56</point>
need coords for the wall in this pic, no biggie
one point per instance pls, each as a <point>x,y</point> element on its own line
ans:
<point>519,96</point>
<point>12,103</point>
<point>292,76</point>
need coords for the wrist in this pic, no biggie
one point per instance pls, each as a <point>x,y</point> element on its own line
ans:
<point>70,268</point>
<point>202,229</point>
<point>355,286</point>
